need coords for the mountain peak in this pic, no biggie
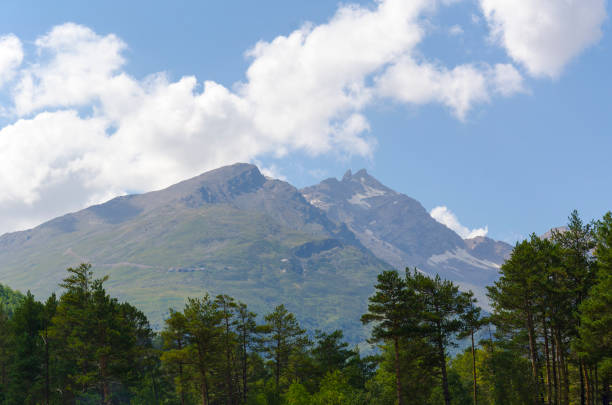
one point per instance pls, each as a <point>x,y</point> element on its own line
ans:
<point>362,173</point>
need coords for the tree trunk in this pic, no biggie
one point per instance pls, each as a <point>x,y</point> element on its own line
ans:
<point>589,384</point>
<point>605,397</point>
<point>278,360</point>
<point>533,354</point>
<point>447,397</point>
<point>228,365</point>
<point>105,387</point>
<point>474,370</point>
<point>398,381</point>
<point>596,396</point>
<point>581,372</point>
<point>547,354</point>
<point>47,390</point>
<point>204,389</point>
<point>554,369</point>
<point>181,387</point>
<point>564,381</point>
<point>244,368</point>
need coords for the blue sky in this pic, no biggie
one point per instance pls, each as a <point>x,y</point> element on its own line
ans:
<point>430,116</point>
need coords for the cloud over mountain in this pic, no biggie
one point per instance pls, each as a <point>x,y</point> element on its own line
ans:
<point>79,129</point>
<point>446,217</point>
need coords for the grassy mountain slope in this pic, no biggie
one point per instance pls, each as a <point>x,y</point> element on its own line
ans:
<point>227,231</point>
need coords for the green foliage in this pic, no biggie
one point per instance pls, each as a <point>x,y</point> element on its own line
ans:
<point>552,344</point>
<point>104,343</point>
<point>283,343</point>
<point>9,299</point>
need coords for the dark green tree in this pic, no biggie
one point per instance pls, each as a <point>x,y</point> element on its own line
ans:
<point>389,309</point>
<point>176,353</point>
<point>283,338</point>
<point>103,342</point>
<point>472,322</point>
<point>246,329</point>
<point>443,309</point>
<point>229,342</point>
<point>26,373</point>
<point>330,352</point>
<point>204,326</point>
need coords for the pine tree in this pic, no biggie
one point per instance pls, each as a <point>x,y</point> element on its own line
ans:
<point>103,342</point>
<point>26,367</point>
<point>283,337</point>
<point>389,309</point>
<point>246,328</point>
<point>229,342</point>
<point>176,353</point>
<point>205,332</point>
<point>443,308</point>
<point>472,322</point>
<point>515,298</point>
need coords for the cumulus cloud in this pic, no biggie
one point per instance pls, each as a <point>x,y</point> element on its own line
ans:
<point>84,130</point>
<point>458,88</point>
<point>11,55</point>
<point>455,30</point>
<point>544,35</point>
<point>446,217</point>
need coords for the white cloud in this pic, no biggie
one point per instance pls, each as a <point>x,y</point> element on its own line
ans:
<point>455,30</point>
<point>459,88</point>
<point>11,55</point>
<point>544,35</point>
<point>507,80</point>
<point>84,130</point>
<point>75,66</point>
<point>446,217</point>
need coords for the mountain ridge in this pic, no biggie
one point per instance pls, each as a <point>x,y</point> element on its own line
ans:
<point>232,230</point>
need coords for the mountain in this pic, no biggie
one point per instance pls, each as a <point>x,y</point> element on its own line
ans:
<point>398,230</point>
<point>230,230</point>
<point>234,231</point>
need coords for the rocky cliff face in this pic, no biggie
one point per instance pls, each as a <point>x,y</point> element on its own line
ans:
<point>399,230</point>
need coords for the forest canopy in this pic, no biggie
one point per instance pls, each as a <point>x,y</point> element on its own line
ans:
<point>547,341</point>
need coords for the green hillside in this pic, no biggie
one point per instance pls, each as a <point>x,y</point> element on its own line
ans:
<point>257,240</point>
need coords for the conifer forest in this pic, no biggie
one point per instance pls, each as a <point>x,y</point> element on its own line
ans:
<point>546,340</point>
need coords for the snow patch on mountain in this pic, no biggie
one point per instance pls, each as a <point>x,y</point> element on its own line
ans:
<point>367,192</point>
<point>463,256</point>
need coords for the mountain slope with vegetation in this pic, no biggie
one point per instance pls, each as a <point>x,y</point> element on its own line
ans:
<point>230,230</point>
<point>552,317</point>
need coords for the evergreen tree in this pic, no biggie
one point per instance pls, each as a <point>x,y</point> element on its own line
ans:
<point>283,338</point>
<point>472,322</point>
<point>5,335</point>
<point>229,342</point>
<point>595,330</point>
<point>26,364</point>
<point>246,329</point>
<point>103,341</point>
<point>389,310</point>
<point>205,331</point>
<point>330,353</point>
<point>515,298</point>
<point>443,308</point>
<point>176,353</point>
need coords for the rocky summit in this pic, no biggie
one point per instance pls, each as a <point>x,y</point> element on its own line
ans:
<point>398,229</point>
